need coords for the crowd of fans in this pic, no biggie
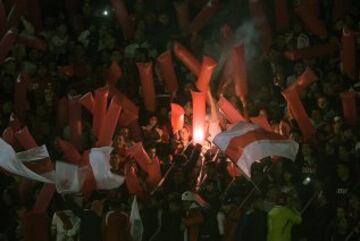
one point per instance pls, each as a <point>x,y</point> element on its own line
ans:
<point>319,191</point>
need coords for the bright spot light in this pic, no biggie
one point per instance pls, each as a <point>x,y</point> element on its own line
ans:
<point>307,181</point>
<point>105,13</point>
<point>198,136</point>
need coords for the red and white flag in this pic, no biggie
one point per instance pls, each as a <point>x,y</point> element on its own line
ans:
<point>14,162</point>
<point>246,143</point>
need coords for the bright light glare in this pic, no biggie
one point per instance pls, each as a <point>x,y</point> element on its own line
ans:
<point>307,180</point>
<point>105,13</point>
<point>199,135</point>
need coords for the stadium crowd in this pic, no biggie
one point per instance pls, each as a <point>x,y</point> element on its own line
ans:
<point>314,198</point>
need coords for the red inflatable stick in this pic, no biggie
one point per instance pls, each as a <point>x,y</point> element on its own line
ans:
<point>140,155</point>
<point>299,113</point>
<point>14,122</point>
<point>187,58</point>
<point>33,14</point>
<point>182,15</point>
<point>167,71</point>
<point>316,51</point>
<point>8,135</point>
<point>3,19</point>
<point>68,70</point>
<point>349,107</point>
<point>31,41</point>
<point>308,13</point>
<point>340,9</point>
<point>101,97</point>
<point>199,114</point>
<point>114,73</point>
<point>25,139</point>
<point>6,44</point>
<point>75,121</point>
<point>88,102</point>
<point>177,117</point>
<point>135,131</point>
<point>348,55</point>
<point>154,173</point>
<point>109,123</point>
<point>132,181</point>
<point>262,121</point>
<point>62,111</point>
<point>238,69</point>
<point>147,84</point>
<point>204,16</point>
<point>123,18</point>
<point>281,15</point>
<point>226,36</point>
<point>44,198</point>
<point>207,68</point>
<point>259,16</point>
<point>18,10</point>
<point>230,113</point>
<point>70,151</point>
<point>20,96</point>
<point>305,79</point>
<point>35,226</point>
<point>130,111</point>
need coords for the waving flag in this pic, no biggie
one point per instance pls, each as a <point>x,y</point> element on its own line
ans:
<point>100,164</point>
<point>13,162</point>
<point>137,228</point>
<point>247,143</point>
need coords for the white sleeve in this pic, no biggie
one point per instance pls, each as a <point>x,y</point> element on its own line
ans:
<point>221,222</point>
<point>76,226</point>
<point>54,223</point>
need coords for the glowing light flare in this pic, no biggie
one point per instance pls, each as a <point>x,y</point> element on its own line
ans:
<point>199,112</point>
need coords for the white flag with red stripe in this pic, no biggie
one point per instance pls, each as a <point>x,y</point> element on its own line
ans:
<point>246,143</point>
<point>14,162</point>
<point>68,178</point>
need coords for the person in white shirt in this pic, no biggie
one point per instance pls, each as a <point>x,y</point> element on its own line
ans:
<point>65,226</point>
